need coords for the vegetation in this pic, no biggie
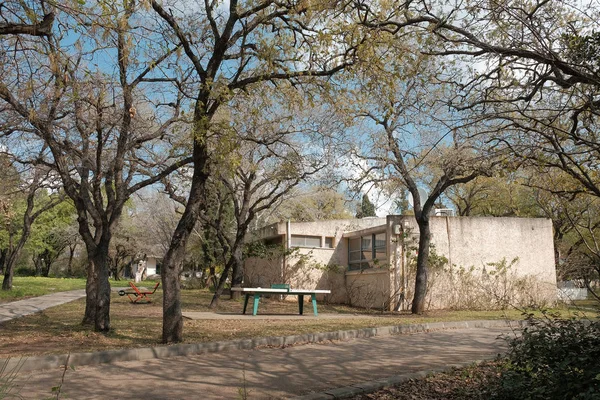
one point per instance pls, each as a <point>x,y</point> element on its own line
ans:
<point>552,358</point>
<point>475,382</point>
<point>367,209</point>
<point>24,287</point>
<point>58,329</point>
<point>232,108</point>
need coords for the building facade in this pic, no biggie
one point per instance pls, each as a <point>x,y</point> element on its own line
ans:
<point>475,262</point>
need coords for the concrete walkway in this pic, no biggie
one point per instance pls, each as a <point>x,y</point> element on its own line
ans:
<point>271,373</point>
<point>32,305</point>
<point>325,370</point>
<point>249,317</point>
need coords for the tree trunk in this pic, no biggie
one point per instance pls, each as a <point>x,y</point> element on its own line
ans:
<point>9,267</point>
<point>114,265</point>
<point>558,237</point>
<point>418,304</point>
<point>237,274</point>
<point>3,253</point>
<point>91,290</point>
<point>219,290</point>
<point>97,305</point>
<point>37,263</point>
<point>212,280</point>
<point>70,263</point>
<point>13,255</point>
<point>46,265</point>
<point>7,281</point>
<point>102,315</point>
<point>172,318</point>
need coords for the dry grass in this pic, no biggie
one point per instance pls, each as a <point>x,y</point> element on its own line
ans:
<point>58,329</point>
<point>589,303</point>
<point>475,382</point>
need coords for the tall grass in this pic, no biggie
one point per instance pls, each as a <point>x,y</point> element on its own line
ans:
<point>8,374</point>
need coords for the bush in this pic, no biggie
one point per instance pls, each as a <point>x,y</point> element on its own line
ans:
<point>24,271</point>
<point>553,358</point>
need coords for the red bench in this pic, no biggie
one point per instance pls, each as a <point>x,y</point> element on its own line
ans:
<point>139,293</point>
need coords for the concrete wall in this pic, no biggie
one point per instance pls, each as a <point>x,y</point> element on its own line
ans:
<point>310,268</point>
<point>151,265</point>
<point>369,288</point>
<point>470,244</point>
<point>466,281</point>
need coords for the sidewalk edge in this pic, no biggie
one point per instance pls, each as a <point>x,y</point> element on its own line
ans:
<point>35,363</point>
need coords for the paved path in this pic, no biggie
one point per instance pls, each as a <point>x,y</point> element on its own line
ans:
<point>32,305</point>
<point>269,373</point>
<point>250,317</point>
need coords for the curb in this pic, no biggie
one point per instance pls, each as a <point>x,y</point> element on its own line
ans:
<point>35,363</point>
<point>373,386</point>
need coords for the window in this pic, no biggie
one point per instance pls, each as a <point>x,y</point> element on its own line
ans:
<point>379,248</point>
<point>329,242</point>
<point>276,241</point>
<point>354,253</point>
<point>306,241</point>
<point>366,251</point>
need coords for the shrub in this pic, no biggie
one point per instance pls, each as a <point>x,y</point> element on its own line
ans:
<point>553,358</point>
<point>24,271</point>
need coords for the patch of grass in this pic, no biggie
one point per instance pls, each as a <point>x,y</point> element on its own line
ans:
<point>589,303</point>
<point>32,286</point>
<point>58,330</point>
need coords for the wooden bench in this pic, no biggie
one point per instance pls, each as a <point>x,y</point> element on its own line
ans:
<point>281,289</point>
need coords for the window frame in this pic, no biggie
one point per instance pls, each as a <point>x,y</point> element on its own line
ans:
<point>365,262</point>
<point>305,245</point>
<point>325,245</point>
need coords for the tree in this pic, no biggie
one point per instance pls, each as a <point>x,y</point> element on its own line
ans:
<point>579,250</point>
<point>536,81</point>
<point>31,20</point>
<point>18,219</point>
<point>413,139</point>
<point>367,209</point>
<point>11,182</point>
<point>312,204</point>
<point>51,236</point>
<point>279,145</point>
<point>231,49</point>
<point>102,131</point>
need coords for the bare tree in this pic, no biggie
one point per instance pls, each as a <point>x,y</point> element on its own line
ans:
<point>278,145</point>
<point>535,78</point>
<point>107,136</point>
<point>37,181</point>
<point>412,139</point>
<point>25,18</point>
<point>234,48</point>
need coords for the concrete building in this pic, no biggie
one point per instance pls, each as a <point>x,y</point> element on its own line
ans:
<point>143,266</point>
<point>475,263</point>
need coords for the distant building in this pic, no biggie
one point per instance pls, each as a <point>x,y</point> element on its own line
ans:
<point>143,266</point>
<point>370,262</point>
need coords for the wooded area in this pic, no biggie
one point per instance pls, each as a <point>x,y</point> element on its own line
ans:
<point>172,129</point>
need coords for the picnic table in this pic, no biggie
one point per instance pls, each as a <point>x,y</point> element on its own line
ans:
<point>279,289</point>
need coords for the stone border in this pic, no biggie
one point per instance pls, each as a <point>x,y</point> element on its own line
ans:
<point>109,356</point>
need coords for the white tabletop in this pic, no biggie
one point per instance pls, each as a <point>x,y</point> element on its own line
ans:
<point>290,291</point>
<point>316,291</point>
<point>239,289</point>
